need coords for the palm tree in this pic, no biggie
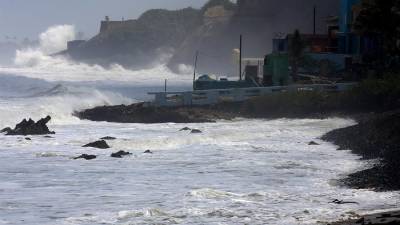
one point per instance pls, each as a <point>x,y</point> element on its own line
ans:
<point>296,51</point>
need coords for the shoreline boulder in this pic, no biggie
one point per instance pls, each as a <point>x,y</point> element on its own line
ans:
<point>196,131</point>
<point>86,156</point>
<point>108,138</point>
<point>120,154</point>
<point>313,143</point>
<point>30,127</point>
<point>185,129</point>
<point>98,144</point>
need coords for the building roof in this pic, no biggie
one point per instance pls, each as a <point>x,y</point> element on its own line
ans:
<point>310,36</point>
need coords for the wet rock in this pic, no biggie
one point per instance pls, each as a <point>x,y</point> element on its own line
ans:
<point>313,143</point>
<point>47,136</point>
<point>120,154</point>
<point>28,139</point>
<point>30,127</point>
<point>196,131</point>
<point>108,138</point>
<point>148,152</point>
<point>6,130</point>
<point>390,217</point>
<point>341,202</point>
<point>86,156</point>
<point>97,144</point>
<point>185,129</point>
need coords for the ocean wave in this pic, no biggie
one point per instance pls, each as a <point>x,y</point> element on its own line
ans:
<point>41,62</point>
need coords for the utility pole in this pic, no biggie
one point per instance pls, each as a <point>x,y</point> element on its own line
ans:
<point>240,58</point>
<point>315,18</point>
<point>194,70</point>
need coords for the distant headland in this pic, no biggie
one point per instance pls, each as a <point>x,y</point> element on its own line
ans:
<point>173,37</point>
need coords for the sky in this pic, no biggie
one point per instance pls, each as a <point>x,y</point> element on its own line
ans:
<point>28,18</point>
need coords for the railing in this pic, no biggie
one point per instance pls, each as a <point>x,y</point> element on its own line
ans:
<point>210,97</point>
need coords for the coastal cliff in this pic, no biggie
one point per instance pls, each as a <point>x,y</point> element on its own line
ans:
<point>174,36</point>
<point>140,42</point>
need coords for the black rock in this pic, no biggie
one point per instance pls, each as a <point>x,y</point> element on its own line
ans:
<point>313,143</point>
<point>148,152</point>
<point>120,154</point>
<point>47,136</point>
<point>6,130</point>
<point>28,139</point>
<point>30,127</point>
<point>185,129</point>
<point>108,138</point>
<point>341,202</point>
<point>86,156</point>
<point>98,144</point>
<point>196,131</point>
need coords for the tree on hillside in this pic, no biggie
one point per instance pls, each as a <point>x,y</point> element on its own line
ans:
<point>296,50</point>
<point>381,18</point>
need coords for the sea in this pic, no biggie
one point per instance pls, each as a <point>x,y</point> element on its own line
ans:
<point>244,171</point>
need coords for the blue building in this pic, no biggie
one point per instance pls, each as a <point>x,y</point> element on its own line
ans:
<point>348,41</point>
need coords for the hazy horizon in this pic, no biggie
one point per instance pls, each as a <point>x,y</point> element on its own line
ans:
<point>27,19</point>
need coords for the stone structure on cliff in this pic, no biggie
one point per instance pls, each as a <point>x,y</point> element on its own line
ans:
<point>108,25</point>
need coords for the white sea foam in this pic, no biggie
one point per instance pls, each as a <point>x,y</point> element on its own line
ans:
<point>55,39</point>
<point>59,107</point>
<point>255,172</point>
<point>52,41</point>
<point>37,62</point>
<point>30,98</point>
<point>41,84</point>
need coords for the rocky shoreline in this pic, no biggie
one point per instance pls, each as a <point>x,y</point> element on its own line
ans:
<point>142,113</point>
<point>375,137</point>
<point>384,218</point>
<point>138,113</point>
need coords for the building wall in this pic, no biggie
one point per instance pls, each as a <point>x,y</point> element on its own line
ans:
<point>110,25</point>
